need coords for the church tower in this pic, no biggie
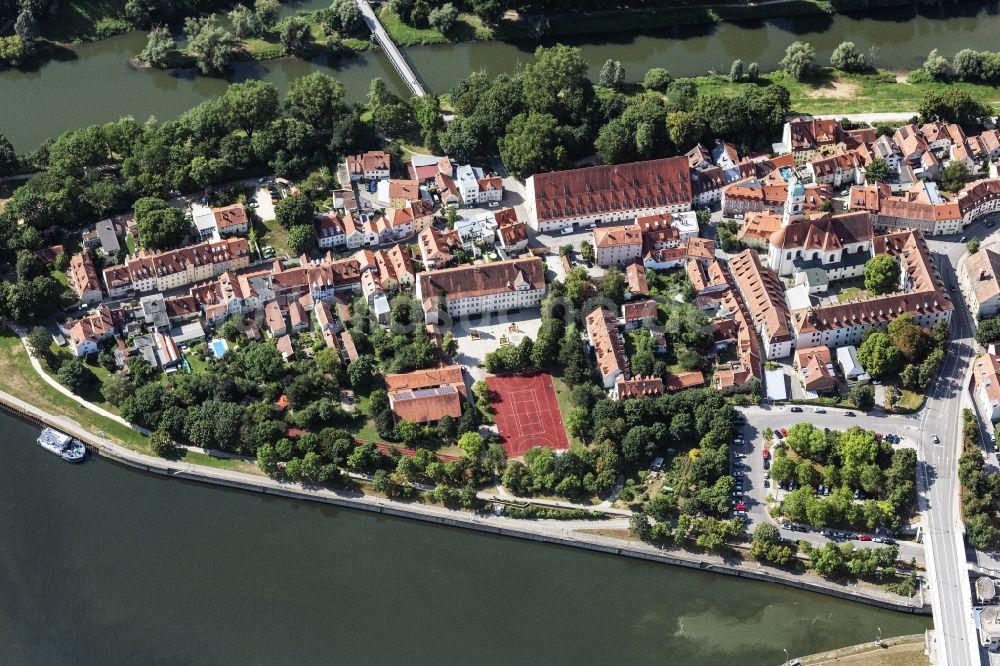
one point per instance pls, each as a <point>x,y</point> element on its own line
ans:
<point>795,202</point>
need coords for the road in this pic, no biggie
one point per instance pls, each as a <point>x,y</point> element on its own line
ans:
<point>937,475</point>
<point>401,64</point>
<point>760,418</point>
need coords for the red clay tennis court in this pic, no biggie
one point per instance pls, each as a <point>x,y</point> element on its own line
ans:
<point>527,413</point>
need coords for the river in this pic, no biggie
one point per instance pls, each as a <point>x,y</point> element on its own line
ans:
<point>102,564</point>
<point>98,85</point>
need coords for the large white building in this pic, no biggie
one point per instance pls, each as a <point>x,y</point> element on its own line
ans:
<point>497,286</point>
<point>608,193</point>
<point>980,281</point>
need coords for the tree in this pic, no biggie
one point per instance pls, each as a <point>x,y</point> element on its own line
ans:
<point>363,373</point>
<point>953,176</point>
<point>685,129</point>
<point>26,25</point>
<point>736,70</point>
<point>158,47</point>
<point>301,239</point>
<point>557,84</point>
<point>346,17</point>
<point>245,22</point>
<point>638,525</point>
<point>972,245</point>
<point>657,79</point>
<point>612,74</point>
<point>847,58</point>
<point>882,275</point>
<point>39,344</point>
<point>160,226</point>
<point>443,18</point>
<point>753,71</point>
<point>316,99</point>
<point>267,12</point>
<point>117,388</point>
<point>162,444</point>
<point>877,171</point>
<point>613,285</point>
<point>968,64</point>
<point>532,144</point>
<point>936,65</point>
<point>76,376</point>
<point>294,35</point>
<point>863,397</point>
<point>472,444</point>
<point>982,533</point>
<point>879,355</point>
<point>295,211</point>
<point>427,111</point>
<point>798,60</point>
<point>212,46</point>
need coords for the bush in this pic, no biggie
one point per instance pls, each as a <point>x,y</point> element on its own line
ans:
<point>109,27</point>
<point>657,79</point>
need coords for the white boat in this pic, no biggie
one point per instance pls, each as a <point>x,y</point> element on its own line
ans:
<point>64,446</point>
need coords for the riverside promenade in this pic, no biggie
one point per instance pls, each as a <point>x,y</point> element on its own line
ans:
<point>575,533</point>
<point>396,57</point>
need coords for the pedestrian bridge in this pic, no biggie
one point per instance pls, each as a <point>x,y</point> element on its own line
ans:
<point>396,57</point>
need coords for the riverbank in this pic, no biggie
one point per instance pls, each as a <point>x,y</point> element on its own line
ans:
<point>556,532</point>
<point>836,93</point>
<point>897,651</point>
<point>513,27</point>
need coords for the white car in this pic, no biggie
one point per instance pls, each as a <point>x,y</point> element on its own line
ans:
<point>566,231</point>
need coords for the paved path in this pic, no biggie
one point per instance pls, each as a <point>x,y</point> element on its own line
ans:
<point>396,57</point>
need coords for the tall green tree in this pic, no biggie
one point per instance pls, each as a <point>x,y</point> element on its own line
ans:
<point>533,144</point>
<point>798,60</point>
<point>882,275</point>
<point>158,48</point>
<point>316,99</point>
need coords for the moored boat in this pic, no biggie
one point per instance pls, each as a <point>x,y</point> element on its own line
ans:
<point>61,444</point>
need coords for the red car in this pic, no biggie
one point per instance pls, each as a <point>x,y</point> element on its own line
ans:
<point>864,537</point>
<point>766,454</point>
<point>740,507</point>
<point>784,432</point>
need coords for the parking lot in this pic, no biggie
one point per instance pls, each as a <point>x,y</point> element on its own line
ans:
<point>748,461</point>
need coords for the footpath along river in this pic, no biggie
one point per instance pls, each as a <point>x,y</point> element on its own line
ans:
<point>98,85</point>
<point>102,564</point>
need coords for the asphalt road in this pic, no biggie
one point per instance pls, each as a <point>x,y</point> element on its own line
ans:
<point>937,473</point>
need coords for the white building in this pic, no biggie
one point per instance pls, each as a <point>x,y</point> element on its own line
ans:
<point>986,378</point>
<point>482,288</point>
<point>475,188</point>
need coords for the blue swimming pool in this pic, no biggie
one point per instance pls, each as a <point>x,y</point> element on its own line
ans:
<point>219,348</point>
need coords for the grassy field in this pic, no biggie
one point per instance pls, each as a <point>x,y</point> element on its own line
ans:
<point>837,92</point>
<point>909,401</point>
<point>565,407</point>
<point>468,28</point>
<point>273,234</point>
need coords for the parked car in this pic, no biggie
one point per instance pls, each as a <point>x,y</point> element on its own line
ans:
<point>795,408</point>
<point>767,483</point>
<point>765,453</point>
<point>864,537</point>
<point>827,533</point>
<point>934,438</point>
<point>820,410</point>
<point>566,231</point>
<point>738,475</point>
<point>783,431</point>
<point>848,413</point>
<point>741,507</point>
<point>741,514</point>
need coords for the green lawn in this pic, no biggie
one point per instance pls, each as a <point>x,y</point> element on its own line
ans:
<point>469,27</point>
<point>130,244</point>
<point>909,401</point>
<point>565,407</point>
<point>837,92</point>
<point>852,294</point>
<point>273,234</point>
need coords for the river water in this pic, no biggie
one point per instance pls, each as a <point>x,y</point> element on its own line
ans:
<point>102,564</point>
<point>98,85</point>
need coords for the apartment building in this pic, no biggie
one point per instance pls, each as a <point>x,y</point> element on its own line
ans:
<point>760,289</point>
<point>980,282</point>
<point>617,246</point>
<point>83,278</point>
<point>162,271</point>
<point>609,350</point>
